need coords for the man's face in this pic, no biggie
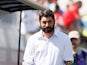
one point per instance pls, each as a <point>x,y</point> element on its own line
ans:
<point>47,24</point>
<point>75,42</point>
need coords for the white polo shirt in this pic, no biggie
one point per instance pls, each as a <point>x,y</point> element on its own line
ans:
<point>53,51</point>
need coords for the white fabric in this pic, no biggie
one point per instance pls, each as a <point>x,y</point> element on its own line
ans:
<point>53,51</point>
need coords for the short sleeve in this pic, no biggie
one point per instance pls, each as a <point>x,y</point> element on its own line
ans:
<point>68,52</point>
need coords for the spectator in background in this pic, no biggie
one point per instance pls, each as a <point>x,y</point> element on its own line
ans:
<point>40,1</point>
<point>48,46</point>
<point>50,4</point>
<point>71,18</point>
<point>80,56</point>
<point>70,4</point>
<point>58,14</point>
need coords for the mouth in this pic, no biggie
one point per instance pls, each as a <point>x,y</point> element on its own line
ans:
<point>48,30</point>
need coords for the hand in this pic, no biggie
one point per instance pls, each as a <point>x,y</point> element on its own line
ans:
<point>68,62</point>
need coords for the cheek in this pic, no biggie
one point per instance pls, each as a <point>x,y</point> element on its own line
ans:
<point>52,24</point>
<point>42,25</point>
<point>78,42</point>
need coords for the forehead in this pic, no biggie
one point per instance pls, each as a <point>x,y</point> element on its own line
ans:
<point>46,18</point>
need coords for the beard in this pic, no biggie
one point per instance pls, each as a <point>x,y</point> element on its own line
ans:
<point>48,29</point>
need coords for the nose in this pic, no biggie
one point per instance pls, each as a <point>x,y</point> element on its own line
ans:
<point>47,24</point>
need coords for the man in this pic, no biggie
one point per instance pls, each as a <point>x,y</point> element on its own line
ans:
<point>80,56</point>
<point>48,46</point>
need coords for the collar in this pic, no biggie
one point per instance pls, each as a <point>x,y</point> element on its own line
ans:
<point>55,33</point>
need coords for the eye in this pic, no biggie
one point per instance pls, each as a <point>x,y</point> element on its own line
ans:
<point>49,21</point>
<point>44,22</point>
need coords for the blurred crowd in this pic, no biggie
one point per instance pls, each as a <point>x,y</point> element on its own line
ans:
<point>65,21</point>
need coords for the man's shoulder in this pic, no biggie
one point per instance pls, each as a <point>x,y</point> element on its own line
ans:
<point>82,54</point>
<point>82,51</point>
<point>36,35</point>
<point>62,34</point>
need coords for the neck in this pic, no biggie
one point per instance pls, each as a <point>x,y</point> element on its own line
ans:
<point>47,35</point>
<point>75,49</point>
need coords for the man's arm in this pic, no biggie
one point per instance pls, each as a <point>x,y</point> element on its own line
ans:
<point>68,52</point>
<point>28,58</point>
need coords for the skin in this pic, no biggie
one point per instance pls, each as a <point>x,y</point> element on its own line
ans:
<point>75,43</point>
<point>47,22</point>
<point>68,63</point>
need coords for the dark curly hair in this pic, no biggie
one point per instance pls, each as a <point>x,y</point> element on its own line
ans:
<point>46,13</point>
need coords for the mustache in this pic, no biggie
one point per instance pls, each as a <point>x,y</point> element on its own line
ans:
<point>47,27</point>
